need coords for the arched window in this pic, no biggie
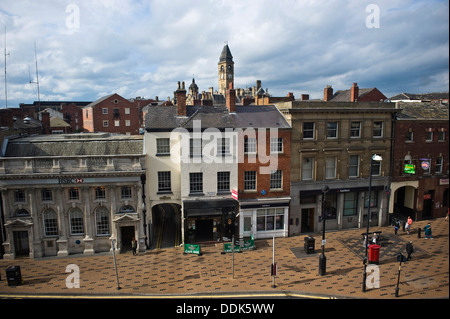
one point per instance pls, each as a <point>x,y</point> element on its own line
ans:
<point>126,209</point>
<point>22,212</point>
<point>50,223</point>
<point>102,221</point>
<point>76,218</point>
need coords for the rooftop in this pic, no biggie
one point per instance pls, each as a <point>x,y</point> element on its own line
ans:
<point>74,145</point>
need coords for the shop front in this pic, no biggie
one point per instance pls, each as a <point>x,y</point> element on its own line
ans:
<point>210,220</point>
<point>264,218</point>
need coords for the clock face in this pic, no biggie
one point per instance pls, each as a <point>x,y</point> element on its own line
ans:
<point>230,76</point>
<point>221,76</point>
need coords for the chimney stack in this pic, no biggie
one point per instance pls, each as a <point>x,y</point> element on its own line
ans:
<point>354,92</point>
<point>231,98</point>
<point>304,97</point>
<point>180,94</point>
<point>45,122</point>
<point>327,93</point>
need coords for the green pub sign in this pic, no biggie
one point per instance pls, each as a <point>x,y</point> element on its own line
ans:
<point>191,249</point>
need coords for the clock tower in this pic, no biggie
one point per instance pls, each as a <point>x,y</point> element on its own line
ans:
<point>226,70</point>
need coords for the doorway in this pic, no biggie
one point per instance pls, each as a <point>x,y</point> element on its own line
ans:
<point>127,234</point>
<point>21,244</point>
<point>307,220</point>
<point>428,200</point>
<point>203,230</point>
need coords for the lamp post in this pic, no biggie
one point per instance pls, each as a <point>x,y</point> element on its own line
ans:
<point>322,258</point>
<point>376,158</point>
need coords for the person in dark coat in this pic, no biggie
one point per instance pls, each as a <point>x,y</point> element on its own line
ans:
<point>134,246</point>
<point>409,250</point>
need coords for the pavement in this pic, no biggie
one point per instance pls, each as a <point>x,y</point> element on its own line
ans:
<point>168,273</point>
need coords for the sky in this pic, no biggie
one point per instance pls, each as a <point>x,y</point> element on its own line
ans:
<point>86,49</point>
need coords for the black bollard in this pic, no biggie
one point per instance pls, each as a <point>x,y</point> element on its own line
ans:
<point>419,232</point>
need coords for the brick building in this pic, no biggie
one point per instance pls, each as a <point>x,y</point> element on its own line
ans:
<point>354,94</point>
<point>112,114</point>
<point>73,115</point>
<point>421,161</point>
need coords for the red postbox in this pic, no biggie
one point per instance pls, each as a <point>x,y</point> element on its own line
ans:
<point>374,254</point>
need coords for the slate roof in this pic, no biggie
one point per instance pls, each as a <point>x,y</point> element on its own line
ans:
<point>93,104</point>
<point>166,119</point>
<point>267,116</point>
<point>226,54</point>
<point>422,111</point>
<point>74,145</point>
<point>421,96</point>
<point>345,95</point>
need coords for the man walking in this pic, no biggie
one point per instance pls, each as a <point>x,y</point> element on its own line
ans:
<point>409,250</point>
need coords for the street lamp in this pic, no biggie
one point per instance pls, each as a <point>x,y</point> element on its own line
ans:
<point>375,158</point>
<point>322,258</point>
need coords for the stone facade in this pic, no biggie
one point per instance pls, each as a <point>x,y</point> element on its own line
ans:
<point>56,205</point>
<point>332,144</point>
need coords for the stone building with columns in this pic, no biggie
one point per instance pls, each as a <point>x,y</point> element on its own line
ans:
<point>71,194</point>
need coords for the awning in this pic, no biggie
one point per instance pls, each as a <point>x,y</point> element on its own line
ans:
<point>213,207</point>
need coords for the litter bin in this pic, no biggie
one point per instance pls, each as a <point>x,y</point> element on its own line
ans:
<point>14,276</point>
<point>374,254</point>
<point>309,245</point>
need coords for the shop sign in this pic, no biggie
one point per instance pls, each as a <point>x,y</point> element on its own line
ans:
<point>425,165</point>
<point>409,169</point>
<point>191,249</point>
<point>228,248</point>
<point>234,194</point>
<point>248,244</point>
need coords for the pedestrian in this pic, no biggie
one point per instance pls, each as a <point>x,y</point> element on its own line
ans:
<point>408,225</point>
<point>409,250</point>
<point>396,226</point>
<point>427,230</point>
<point>134,246</point>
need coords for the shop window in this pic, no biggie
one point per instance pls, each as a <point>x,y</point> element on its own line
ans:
<point>330,206</point>
<point>373,199</point>
<point>270,219</point>
<point>350,204</point>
